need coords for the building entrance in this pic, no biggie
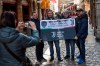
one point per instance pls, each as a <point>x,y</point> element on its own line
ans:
<point>25,10</point>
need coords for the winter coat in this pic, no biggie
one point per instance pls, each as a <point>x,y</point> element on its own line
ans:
<point>37,23</point>
<point>82,26</point>
<point>47,18</point>
<point>17,42</point>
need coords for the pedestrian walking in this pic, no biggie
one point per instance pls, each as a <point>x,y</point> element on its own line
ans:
<point>40,46</point>
<point>70,43</point>
<point>50,16</point>
<point>82,32</point>
<point>13,43</point>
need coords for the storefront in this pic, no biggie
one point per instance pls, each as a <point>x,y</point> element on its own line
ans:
<point>10,5</point>
<point>22,8</point>
<point>72,7</point>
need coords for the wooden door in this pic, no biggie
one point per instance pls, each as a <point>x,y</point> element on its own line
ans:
<point>10,7</point>
<point>25,10</point>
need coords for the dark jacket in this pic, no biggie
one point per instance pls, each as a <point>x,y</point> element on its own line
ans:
<point>48,18</point>
<point>58,16</point>
<point>37,23</point>
<point>82,26</point>
<point>16,42</point>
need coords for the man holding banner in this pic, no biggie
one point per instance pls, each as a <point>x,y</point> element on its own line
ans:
<point>54,30</point>
<point>69,42</point>
<point>51,17</point>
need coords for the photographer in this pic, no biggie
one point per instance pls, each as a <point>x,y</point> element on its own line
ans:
<point>12,43</point>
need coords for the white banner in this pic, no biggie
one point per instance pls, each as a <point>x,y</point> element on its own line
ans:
<point>57,24</point>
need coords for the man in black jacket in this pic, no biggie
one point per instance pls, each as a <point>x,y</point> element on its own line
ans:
<point>82,32</point>
<point>40,46</point>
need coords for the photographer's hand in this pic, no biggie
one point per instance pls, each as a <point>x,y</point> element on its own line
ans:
<point>32,25</point>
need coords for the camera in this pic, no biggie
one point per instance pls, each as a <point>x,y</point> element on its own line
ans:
<point>27,24</point>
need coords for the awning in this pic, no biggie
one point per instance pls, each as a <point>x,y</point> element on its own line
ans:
<point>73,5</point>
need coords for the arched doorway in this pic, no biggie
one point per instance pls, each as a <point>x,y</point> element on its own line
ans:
<point>10,5</point>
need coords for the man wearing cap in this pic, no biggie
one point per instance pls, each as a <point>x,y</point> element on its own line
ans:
<point>82,32</point>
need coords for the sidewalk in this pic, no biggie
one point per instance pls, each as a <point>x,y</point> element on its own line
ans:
<point>92,53</point>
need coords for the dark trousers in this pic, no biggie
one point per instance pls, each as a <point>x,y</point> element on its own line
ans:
<point>39,51</point>
<point>56,42</point>
<point>70,43</point>
<point>81,46</point>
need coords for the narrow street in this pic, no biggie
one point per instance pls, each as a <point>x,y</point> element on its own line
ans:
<point>92,53</point>
<point>46,16</point>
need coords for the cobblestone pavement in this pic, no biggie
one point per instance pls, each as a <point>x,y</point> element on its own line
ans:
<point>92,53</point>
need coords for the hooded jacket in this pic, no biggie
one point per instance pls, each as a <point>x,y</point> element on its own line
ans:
<point>82,26</point>
<point>17,42</point>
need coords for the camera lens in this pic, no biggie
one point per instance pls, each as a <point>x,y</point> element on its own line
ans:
<point>26,24</point>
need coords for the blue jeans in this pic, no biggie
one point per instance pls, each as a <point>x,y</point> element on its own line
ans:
<point>52,50</point>
<point>81,45</point>
<point>70,43</point>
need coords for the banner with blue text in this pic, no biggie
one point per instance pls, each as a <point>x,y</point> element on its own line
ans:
<point>57,29</point>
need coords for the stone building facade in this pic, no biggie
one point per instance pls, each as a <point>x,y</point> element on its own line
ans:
<point>84,4</point>
<point>22,8</point>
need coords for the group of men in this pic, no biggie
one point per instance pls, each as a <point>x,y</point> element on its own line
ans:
<point>81,35</point>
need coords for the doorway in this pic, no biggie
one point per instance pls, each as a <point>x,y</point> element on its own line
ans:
<point>25,10</point>
<point>10,7</point>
